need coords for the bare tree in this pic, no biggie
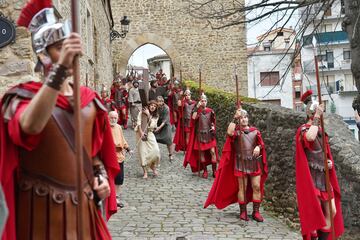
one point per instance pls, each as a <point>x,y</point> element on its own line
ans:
<point>222,14</point>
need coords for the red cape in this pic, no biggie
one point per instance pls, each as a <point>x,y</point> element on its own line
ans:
<point>226,187</point>
<point>192,155</point>
<point>179,138</point>
<point>102,144</point>
<point>171,105</point>
<point>310,213</point>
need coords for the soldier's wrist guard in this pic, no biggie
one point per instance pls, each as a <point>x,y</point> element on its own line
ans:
<point>316,121</point>
<point>100,170</point>
<point>56,77</point>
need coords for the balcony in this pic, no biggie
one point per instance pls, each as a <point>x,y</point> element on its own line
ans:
<point>325,89</point>
<point>309,66</point>
<point>326,38</point>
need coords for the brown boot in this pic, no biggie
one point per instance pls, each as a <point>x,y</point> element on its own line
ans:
<point>243,211</point>
<point>256,214</point>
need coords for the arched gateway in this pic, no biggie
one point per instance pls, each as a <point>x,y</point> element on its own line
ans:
<point>190,43</point>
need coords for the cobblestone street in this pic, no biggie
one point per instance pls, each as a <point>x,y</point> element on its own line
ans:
<point>170,206</point>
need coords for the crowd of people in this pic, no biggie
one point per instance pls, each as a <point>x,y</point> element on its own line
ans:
<point>37,170</point>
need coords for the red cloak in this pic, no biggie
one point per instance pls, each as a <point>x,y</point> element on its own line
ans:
<point>226,187</point>
<point>310,212</point>
<point>170,103</point>
<point>102,144</point>
<point>179,138</point>
<point>192,155</point>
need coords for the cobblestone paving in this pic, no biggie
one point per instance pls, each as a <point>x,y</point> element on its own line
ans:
<point>170,206</point>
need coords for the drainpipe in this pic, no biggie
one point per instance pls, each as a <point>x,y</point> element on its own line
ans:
<point>254,82</point>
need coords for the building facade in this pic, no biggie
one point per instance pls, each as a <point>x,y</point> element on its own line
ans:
<point>18,60</point>
<point>334,59</point>
<point>160,62</point>
<point>272,76</point>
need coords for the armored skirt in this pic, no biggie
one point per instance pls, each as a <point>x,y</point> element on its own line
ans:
<point>149,152</point>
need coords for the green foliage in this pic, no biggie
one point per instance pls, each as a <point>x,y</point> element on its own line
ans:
<point>223,103</point>
<point>332,107</point>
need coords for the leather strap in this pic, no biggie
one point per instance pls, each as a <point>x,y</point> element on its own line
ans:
<point>65,123</point>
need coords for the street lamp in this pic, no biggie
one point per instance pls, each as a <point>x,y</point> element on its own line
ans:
<point>125,22</point>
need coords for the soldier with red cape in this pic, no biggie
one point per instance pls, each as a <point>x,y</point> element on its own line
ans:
<point>37,167</point>
<point>174,96</point>
<point>183,129</point>
<point>105,100</point>
<point>312,196</point>
<point>243,166</point>
<point>202,149</point>
<point>120,97</point>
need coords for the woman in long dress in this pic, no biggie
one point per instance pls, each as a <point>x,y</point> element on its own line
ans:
<point>148,148</point>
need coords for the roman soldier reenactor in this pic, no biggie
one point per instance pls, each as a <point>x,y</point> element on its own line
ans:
<point>183,129</point>
<point>202,150</point>
<point>120,98</point>
<point>38,167</point>
<point>105,100</point>
<point>243,169</point>
<point>312,196</point>
<point>174,96</point>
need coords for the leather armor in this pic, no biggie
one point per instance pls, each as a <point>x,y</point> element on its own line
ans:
<point>204,127</point>
<point>188,108</point>
<point>245,143</point>
<point>315,159</point>
<point>47,186</point>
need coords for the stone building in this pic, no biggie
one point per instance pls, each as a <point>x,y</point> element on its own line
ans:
<point>271,72</point>
<point>17,59</point>
<point>160,62</point>
<point>334,59</point>
<point>187,41</point>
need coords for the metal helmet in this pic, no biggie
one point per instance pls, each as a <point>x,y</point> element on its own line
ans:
<point>311,104</point>
<point>44,24</point>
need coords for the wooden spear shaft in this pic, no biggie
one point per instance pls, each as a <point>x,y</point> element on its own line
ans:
<point>238,104</point>
<point>75,15</point>
<point>327,176</point>
<point>198,132</point>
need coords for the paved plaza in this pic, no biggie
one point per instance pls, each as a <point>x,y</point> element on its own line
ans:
<point>170,206</point>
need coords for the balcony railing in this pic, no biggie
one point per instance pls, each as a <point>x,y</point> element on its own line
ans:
<point>325,89</point>
<point>309,66</point>
<point>326,38</point>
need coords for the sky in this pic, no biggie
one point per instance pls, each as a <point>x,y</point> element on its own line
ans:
<point>140,56</point>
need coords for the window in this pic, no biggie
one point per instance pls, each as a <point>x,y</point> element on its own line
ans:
<point>269,78</point>
<point>342,7</point>
<point>327,12</point>
<point>330,59</point>
<point>326,28</point>
<point>267,46</point>
<point>347,54</point>
<point>280,34</point>
<point>299,107</point>
<point>297,94</point>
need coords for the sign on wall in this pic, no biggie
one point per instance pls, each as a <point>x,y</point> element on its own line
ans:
<point>7,31</point>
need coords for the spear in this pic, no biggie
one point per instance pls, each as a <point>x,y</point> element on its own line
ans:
<point>198,135</point>
<point>327,176</point>
<point>238,101</point>
<point>180,73</point>
<point>75,15</point>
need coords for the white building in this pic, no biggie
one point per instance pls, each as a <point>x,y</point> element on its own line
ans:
<point>334,58</point>
<point>160,62</point>
<point>271,73</point>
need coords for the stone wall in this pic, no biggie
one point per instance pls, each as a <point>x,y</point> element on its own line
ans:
<point>278,126</point>
<point>17,60</point>
<point>186,40</point>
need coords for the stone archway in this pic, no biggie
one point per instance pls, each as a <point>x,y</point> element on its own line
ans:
<point>186,40</point>
<point>131,45</point>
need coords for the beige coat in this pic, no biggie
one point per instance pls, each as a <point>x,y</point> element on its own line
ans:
<point>120,142</point>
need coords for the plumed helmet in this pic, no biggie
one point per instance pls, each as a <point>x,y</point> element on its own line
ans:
<point>203,97</point>
<point>243,113</point>
<point>311,104</point>
<point>187,92</point>
<point>45,26</point>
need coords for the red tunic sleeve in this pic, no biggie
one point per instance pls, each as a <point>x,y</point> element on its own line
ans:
<point>27,141</point>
